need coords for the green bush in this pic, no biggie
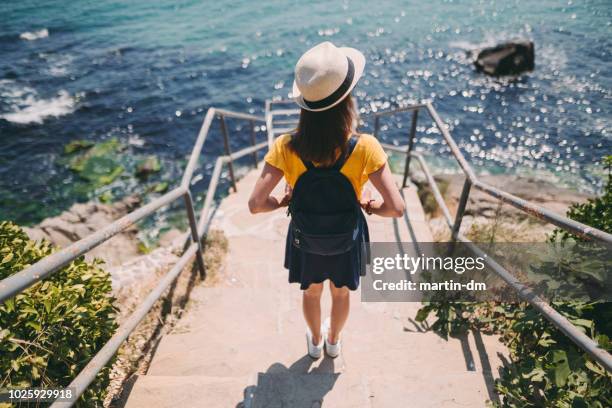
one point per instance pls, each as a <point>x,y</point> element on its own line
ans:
<point>547,369</point>
<point>596,212</point>
<point>49,332</point>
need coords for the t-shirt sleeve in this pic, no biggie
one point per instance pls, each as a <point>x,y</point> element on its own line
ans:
<point>375,155</point>
<point>276,155</point>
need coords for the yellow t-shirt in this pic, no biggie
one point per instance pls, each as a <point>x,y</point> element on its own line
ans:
<point>367,157</point>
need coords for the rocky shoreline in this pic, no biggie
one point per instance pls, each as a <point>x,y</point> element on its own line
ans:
<point>483,210</point>
<point>123,259</point>
<point>83,219</point>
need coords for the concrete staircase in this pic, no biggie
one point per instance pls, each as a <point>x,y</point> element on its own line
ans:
<point>242,343</point>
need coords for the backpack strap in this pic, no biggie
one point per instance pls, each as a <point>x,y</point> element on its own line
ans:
<point>352,142</point>
<point>308,164</point>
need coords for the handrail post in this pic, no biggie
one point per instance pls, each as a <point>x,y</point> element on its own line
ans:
<point>376,125</point>
<point>413,126</point>
<point>269,118</point>
<point>195,237</point>
<point>253,141</point>
<point>465,193</point>
<point>228,152</point>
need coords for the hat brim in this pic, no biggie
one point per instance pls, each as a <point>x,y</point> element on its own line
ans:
<point>358,61</point>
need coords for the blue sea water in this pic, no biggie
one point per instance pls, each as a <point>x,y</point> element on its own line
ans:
<point>146,71</point>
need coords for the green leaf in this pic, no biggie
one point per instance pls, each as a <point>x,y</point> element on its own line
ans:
<point>4,333</point>
<point>35,325</point>
<point>560,367</point>
<point>35,373</point>
<point>7,258</point>
<point>47,304</point>
<point>596,368</point>
<point>161,187</point>
<point>10,305</point>
<point>422,314</point>
<point>582,322</point>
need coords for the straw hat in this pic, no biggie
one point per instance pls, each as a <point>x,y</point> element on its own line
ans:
<point>325,75</point>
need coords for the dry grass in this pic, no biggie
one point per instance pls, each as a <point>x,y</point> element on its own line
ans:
<point>501,229</point>
<point>430,206</point>
<point>503,226</point>
<point>506,231</point>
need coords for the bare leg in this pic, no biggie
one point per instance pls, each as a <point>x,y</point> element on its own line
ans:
<point>339,311</point>
<point>311,306</point>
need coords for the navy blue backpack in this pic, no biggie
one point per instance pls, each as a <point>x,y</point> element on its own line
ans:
<point>325,211</point>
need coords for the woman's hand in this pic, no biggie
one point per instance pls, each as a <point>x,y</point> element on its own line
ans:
<point>287,197</point>
<point>366,196</point>
<point>392,204</point>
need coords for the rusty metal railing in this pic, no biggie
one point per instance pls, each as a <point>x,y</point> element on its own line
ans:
<point>20,281</point>
<point>471,180</point>
<point>47,266</point>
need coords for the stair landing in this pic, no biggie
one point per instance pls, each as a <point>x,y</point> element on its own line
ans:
<point>242,344</point>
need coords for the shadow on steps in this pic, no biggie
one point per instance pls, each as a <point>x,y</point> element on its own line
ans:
<point>296,386</point>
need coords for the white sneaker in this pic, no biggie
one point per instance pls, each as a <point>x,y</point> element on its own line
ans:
<point>332,350</point>
<point>314,351</point>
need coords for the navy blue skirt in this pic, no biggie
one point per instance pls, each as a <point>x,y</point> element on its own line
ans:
<point>343,269</point>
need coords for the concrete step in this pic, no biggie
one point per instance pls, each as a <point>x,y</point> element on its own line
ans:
<point>195,391</point>
<point>234,331</point>
<point>278,387</point>
<point>415,389</point>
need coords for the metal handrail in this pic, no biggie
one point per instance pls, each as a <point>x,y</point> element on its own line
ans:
<point>20,281</point>
<point>47,266</point>
<point>558,320</point>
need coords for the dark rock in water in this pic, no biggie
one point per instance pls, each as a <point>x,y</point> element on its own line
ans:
<point>510,58</point>
<point>147,167</point>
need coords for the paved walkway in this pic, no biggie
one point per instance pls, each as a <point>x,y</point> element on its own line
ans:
<point>242,342</point>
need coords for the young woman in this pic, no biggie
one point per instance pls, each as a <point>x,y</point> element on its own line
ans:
<point>325,139</point>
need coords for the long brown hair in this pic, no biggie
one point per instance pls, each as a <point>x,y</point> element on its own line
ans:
<point>320,135</point>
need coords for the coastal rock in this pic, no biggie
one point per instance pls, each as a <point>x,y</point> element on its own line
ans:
<point>173,238</point>
<point>537,191</point>
<point>147,167</point>
<point>84,219</point>
<point>511,58</point>
<point>483,209</point>
<point>143,269</point>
